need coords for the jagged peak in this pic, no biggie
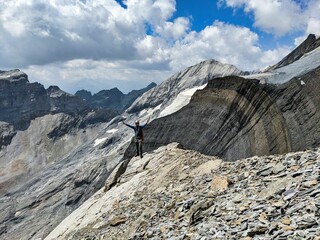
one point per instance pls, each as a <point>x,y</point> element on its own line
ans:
<point>13,75</point>
<point>55,91</point>
<point>212,62</point>
<point>152,84</point>
<point>111,90</point>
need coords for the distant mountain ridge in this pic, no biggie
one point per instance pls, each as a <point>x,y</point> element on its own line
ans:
<point>112,98</point>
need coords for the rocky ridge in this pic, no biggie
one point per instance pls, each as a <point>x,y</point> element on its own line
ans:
<point>174,193</point>
<point>22,101</point>
<point>309,44</point>
<point>112,98</point>
<point>194,76</point>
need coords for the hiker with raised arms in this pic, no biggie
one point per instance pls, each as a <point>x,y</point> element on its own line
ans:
<point>139,136</point>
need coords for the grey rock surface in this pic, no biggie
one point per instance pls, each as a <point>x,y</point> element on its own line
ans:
<point>235,118</point>
<point>173,193</point>
<point>43,180</point>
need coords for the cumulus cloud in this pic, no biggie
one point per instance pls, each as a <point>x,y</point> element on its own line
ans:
<point>42,32</point>
<point>281,17</point>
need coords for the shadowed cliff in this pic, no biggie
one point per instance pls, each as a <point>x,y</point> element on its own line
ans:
<point>235,118</point>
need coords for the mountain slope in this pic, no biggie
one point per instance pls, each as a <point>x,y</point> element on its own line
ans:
<point>235,118</point>
<point>180,194</point>
<point>22,101</point>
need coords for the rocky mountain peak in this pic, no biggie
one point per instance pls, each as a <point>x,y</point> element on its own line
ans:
<point>310,43</point>
<point>13,75</point>
<point>190,77</point>
<point>84,94</point>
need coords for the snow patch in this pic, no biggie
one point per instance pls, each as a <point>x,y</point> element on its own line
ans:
<point>305,64</point>
<point>113,130</point>
<point>302,82</point>
<point>180,101</point>
<point>98,141</point>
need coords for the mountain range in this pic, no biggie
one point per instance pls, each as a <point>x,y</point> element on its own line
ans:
<point>60,152</point>
<point>112,98</point>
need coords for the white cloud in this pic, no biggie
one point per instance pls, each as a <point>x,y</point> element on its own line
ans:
<point>314,26</point>
<point>226,43</point>
<point>281,17</point>
<point>98,44</point>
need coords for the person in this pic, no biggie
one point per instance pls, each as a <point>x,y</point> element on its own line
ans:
<point>139,137</point>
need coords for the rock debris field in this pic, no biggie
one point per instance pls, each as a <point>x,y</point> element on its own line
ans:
<point>174,193</point>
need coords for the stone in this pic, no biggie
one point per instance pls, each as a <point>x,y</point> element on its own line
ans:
<point>286,221</point>
<point>289,194</point>
<point>219,183</point>
<point>310,183</point>
<point>115,175</point>
<point>117,220</point>
<point>274,188</point>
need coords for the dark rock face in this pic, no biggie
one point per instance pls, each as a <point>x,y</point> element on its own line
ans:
<point>84,94</point>
<point>306,46</point>
<point>22,101</point>
<point>113,98</point>
<point>6,134</point>
<point>235,118</point>
<point>61,101</point>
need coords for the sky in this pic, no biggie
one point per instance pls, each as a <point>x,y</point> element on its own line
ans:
<point>101,44</point>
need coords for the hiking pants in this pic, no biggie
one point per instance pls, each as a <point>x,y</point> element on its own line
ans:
<point>139,146</point>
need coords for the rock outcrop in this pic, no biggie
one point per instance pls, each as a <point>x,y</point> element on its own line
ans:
<point>181,194</point>
<point>112,98</point>
<point>22,101</point>
<point>311,43</point>
<point>235,118</point>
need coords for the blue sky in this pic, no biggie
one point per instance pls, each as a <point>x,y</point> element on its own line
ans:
<point>205,12</point>
<point>127,44</point>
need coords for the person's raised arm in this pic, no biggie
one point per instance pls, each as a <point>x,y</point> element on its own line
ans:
<point>128,125</point>
<point>146,122</point>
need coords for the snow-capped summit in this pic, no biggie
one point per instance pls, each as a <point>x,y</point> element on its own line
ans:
<point>190,78</point>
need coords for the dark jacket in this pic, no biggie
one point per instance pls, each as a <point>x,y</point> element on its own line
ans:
<point>137,130</point>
